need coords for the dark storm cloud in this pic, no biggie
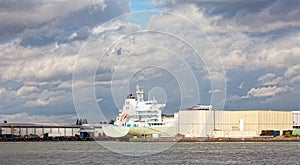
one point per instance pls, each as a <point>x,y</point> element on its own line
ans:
<point>45,22</point>
<point>16,5</point>
<point>230,9</point>
<point>264,10</point>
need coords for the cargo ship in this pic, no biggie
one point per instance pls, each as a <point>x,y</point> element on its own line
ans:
<point>139,117</point>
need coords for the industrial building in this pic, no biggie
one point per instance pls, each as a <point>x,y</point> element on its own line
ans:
<point>92,130</point>
<point>50,130</point>
<point>39,129</point>
<point>296,119</point>
<point>246,123</point>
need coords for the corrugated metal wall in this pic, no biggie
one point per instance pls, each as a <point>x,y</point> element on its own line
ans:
<point>40,131</point>
<point>201,123</point>
<point>296,118</point>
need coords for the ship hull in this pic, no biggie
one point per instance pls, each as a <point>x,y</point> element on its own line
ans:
<point>116,131</point>
<point>121,131</point>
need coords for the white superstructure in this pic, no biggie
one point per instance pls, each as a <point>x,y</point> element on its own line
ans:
<point>140,117</point>
<point>136,112</point>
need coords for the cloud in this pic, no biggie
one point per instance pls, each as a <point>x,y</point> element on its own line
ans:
<point>17,16</point>
<point>25,90</point>
<point>39,45</point>
<point>238,46</point>
<point>292,74</point>
<point>279,53</point>
<point>45,22</point>
<point>292,71</point>
<point>239,38</point>
<point>41,69</point>
<point>273,86</point>
<point>36,103</point>
<point>14,51</point>
<point>266,91</point>
<point>42,77</point>
<point>270,79</point>
<point>266,77</point>
<point>2,91</point>
<point>248,16</point>
<point>234,98</point>
<point>27,118</point>
<point>235,59</point>
<point>45,98</point>
<point>214,91</point>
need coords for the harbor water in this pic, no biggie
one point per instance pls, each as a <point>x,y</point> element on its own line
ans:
<point>180,153</point>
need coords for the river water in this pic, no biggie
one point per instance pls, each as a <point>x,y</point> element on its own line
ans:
<point>177,153</point>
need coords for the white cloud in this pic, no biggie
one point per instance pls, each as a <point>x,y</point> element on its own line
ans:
<point>295,79</point>
<point>24,90</point>
<point>81,84</point>
<point>2,91</point>
<point>40,69</point>
<point>41,12</point>
<point>270,79</point>
<point>37,103</point>
<point>292,71</point>
<point>27,118</point>
<point>14,51</point>
<point>266,77</point>
<point>239,51</point>
<point>37,64</point>
<point>266,91</point>
<point>234,98</point>
<point>235,59</point>
<point>214,91</point>
<point>40,83</point>
<point>279,54</point>
<point>254,40</point>
<point>65,85</point>
<point>45,98</point>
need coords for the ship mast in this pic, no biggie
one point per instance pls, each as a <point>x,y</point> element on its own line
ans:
<point>139,94</point>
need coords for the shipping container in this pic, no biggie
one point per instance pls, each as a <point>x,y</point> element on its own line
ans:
<point>296,132</point>
<point>276,133</point>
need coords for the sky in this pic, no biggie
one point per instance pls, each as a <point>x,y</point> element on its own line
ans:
<point>63,60</point>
